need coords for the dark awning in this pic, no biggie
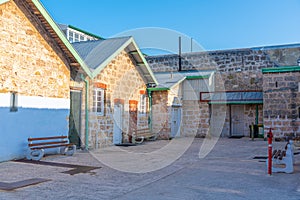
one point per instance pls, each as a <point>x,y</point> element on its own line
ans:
<point>232,97</point>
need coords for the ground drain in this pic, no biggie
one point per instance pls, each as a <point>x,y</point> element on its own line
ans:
<point>19,184</point>
<point>76,168</point>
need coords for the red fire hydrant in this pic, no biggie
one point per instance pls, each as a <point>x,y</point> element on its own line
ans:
<point>270,138</point>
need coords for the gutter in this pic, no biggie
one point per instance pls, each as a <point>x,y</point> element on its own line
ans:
<point>150,109</point>
<point>86,112</point>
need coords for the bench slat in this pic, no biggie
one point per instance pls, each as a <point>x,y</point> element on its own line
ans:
<point>52,146</point>
<point>47,138</point>
<point>47,143</point>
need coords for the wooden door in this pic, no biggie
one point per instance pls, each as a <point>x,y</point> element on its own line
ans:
<point>118,121</point>
<point>176,121</point>
<point>237,120</point>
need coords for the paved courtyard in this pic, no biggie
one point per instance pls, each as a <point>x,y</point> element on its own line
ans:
<point>227,172</point>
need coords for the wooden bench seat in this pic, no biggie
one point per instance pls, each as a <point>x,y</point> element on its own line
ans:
<point>144,134</point>
<point>37,146</point>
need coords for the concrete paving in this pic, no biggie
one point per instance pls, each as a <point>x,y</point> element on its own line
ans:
<point>227,172</point>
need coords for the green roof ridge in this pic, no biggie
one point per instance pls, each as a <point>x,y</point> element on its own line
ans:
<point>85,32</point>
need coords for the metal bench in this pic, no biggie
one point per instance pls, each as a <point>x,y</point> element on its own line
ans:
<point>37,146</point>
<point>283,159</point>
<point>141,135</point>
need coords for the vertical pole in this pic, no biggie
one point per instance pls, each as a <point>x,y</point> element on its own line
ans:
<point>150,109</point>
<point>86,112</point>
<point>256,116</point>
<point>270,137</point>
<point>179,54</point>
<point>191,45</point>
<point>252,131</point>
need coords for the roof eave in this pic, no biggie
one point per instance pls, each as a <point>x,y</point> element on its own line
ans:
<point>144,61</point>
<point>61,35</point>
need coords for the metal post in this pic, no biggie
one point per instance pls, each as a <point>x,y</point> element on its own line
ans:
<point>179,54</point>
<point>270,137</point>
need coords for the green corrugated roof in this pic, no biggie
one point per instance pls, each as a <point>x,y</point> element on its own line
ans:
<point>281,69</point>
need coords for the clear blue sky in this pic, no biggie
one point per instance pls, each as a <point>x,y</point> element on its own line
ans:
<point>215,24</point>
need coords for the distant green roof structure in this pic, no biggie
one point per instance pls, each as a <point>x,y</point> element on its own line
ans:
<point>85,32</point>
<point>281,69</point>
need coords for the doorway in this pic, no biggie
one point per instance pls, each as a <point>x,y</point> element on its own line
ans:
<point>176,121</point>
<point>118,120</point>
<point>237,120</point>
<point>75,118</point>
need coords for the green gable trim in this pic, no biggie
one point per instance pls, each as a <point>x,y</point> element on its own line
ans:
<point>197,77</point>
<point>3,1</point>
<point>85,32</point>
<point>61,36</point>
<point>157,89</point>
<point>281,69</point>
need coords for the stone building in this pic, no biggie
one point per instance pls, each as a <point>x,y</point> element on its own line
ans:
<point>36,61</point>
<point>237,98</point>
<point>282,100</point>
<point>111,101</point>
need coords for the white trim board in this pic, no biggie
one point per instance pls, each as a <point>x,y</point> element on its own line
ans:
<point>35,102</point>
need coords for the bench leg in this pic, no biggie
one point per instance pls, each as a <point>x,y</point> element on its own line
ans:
<point>69,151</point>
<point>140,140</point>
<point>35,154</point>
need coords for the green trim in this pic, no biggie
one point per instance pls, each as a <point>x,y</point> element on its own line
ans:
<point>197,77</point>
<point>236,102</point>
<point>61,35</point>
<point>85,32</point>
<point>150,110</point>
<point>281,69</point>
<point>3,1</point>
<point>157,89</point>
<point>87,87</point>
<point>256,115</point>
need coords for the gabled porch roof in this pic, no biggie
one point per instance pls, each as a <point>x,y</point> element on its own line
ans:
<point>97,54</point>
<point>169,80</point>
<point>232,97</point>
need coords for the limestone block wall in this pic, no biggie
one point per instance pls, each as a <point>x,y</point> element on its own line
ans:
<point>123,82</point>
<point>281,103</point>
<point>28,64</point>
<point>192,116</point>
<point>40,79</point>
<point>240,69</point>
<point>161,113</point>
